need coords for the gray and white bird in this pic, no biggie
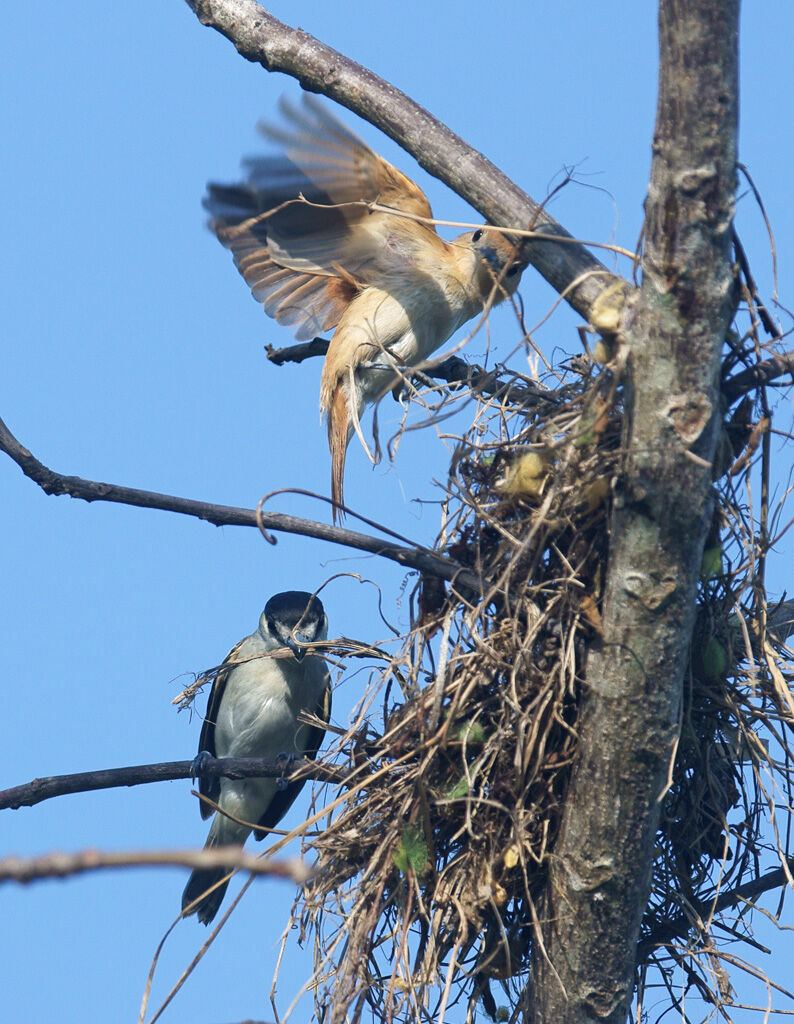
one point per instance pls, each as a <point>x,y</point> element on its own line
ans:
<point>253,711</point>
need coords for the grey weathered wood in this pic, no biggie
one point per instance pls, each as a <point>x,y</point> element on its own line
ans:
<point>600,872</point>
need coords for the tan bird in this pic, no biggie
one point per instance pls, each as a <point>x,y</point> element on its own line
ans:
<point>390,286</point>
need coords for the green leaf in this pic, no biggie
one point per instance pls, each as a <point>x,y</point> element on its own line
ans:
<point>411,853</point>
<point>585,437</point>
<point>711,565</point>
<point>715,660</point>
<point>459,790</point>
<point>470,732</point>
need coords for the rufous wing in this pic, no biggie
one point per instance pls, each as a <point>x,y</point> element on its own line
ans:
<point>304,259</point>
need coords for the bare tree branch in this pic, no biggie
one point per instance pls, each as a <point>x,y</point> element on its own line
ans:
<point>600,870</point>
<point>679,927</point>
<point>298,352</point>
<point>781,364</point>
<point>46,788</point>
<point>570,269</point>
<point>453,370</point>
<point>59,865</point>
<point>422,559</point>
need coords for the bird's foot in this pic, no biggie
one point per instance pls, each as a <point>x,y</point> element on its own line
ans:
<point>200,762</point>
<point>401,392</point>
<point>407,384</point>
<point>285,763</point>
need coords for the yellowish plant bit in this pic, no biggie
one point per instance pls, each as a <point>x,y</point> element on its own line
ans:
<point>411,852</point>
<point>595,493</point>
<point>603,351</point>
<point>499,894</point>
<point>602,408</point>
<point>592,614</point>
<point>608,307</point>
<point>757,432</point>
<point>511,857</point>
<point>526,476</point>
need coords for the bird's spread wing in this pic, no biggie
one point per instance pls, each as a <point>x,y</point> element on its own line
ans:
<point>211,787</point>
<point>284,798</point>
<point>304,262</point>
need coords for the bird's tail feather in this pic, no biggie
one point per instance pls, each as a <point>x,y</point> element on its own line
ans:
<point>223,832</point>
<point>200,881</point>
<point>338,437</point>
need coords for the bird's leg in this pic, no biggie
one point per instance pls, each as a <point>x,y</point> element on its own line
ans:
<point>285,763</point>
<point>199,766</point>
<point>407,381</point>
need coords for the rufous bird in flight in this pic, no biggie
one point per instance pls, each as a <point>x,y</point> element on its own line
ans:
<point>310,234</point>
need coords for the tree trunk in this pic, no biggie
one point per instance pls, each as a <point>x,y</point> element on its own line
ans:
<point>673,330</point>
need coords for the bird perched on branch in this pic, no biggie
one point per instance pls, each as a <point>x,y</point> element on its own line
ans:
<point>327,237</point>
<point>253,711</point>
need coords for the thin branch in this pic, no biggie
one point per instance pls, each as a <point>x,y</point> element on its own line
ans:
<point>679,927</point>
<point>262,39</point>
<point>46,788</point>
<point>59,865</point>
<point>781,364</point>
<point>297,353</point>
<point>51,482</point>
<point>763,313</point>
<point>453,370</point>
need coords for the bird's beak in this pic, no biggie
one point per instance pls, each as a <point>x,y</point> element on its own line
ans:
<point>495,260</point>
<point>491,257</point>
<point>294,645</point>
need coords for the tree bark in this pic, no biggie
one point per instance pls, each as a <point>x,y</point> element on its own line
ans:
<point>600,873</point>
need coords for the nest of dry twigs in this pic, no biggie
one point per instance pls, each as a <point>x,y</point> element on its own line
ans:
<point>431,861</point>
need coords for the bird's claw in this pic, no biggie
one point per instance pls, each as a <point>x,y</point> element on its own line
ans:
<point>401,392</point>
<point>199,765</point>
<point>285,763</point>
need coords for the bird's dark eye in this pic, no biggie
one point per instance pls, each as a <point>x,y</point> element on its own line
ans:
<point>513,270</point>
<point>477,235</point>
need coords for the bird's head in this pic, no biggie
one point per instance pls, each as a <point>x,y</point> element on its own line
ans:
<point>495,259</point>
<point>292,619</point>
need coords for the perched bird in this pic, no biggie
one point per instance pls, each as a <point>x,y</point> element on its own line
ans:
<point>391,287</point>
<point>253,711</point>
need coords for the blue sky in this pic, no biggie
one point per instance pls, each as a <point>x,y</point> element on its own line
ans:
<point>133,353</point>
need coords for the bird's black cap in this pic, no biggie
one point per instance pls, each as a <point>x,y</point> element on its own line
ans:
<point>293,606</point>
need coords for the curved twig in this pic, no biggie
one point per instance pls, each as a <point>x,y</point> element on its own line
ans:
<point>51,482</point>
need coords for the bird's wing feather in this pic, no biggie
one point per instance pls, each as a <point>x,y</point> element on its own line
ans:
<point>339,164</point>
<point>284,798</point>
<point>211,787</point>
<point>321,244</point>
